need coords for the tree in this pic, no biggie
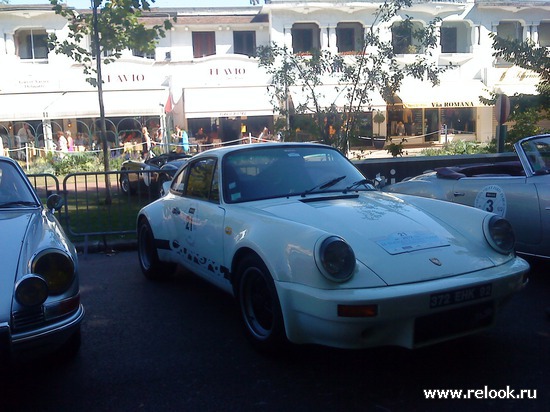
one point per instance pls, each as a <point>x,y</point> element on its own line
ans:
<point>375,68</point>
<point>526,110</point>
<point>527,55</point>
<point>114,28</point>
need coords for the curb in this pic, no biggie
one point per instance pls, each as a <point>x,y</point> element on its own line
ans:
<point>98,246</point>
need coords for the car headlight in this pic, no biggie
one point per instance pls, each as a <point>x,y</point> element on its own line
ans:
<point>56,268</point>
<point>335,259</point>
<point>499,233</point>
<point>32,290</point>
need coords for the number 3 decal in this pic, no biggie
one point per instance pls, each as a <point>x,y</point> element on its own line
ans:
<point>492,199</point>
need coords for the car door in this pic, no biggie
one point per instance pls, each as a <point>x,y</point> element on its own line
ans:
<point>196,220</point>
<point>514,198</point>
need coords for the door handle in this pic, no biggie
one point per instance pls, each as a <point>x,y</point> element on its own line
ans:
<point>176,211</point>
<point>457,194</point>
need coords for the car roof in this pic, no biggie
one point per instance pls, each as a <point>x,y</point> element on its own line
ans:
<point>222,151</point>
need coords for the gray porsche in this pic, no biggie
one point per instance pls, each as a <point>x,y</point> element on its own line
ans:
<point>516,190</point>
<point>40,308</point>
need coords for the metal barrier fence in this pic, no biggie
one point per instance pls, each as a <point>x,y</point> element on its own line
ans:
<point>91,214</point>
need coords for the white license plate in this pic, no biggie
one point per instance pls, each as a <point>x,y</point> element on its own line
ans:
<point>454,297</point>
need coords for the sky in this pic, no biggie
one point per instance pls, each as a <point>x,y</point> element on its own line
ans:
<point>84,4</point>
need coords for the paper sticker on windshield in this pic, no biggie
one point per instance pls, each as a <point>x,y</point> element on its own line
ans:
<point>403,242</point>
<point>492,199</point>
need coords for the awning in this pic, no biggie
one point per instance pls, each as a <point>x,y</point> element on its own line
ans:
<point>25,106</point>
<point>117,103</point>
<point>332,94</point>
<point>515,80</point>
<point>227,102</point>
<point>70,105</point>
<point>417,94</point>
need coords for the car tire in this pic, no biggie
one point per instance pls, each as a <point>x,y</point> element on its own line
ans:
<point>259,306</point>
<point>125,185</point>
<point>151,266</point>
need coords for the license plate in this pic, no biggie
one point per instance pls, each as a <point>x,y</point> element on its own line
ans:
<point>454,297</point>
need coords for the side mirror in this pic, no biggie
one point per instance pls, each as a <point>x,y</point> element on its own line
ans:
<point>55,202</point>
<point>166,187</point>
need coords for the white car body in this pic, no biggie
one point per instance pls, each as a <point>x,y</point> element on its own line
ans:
<point>417,262</point>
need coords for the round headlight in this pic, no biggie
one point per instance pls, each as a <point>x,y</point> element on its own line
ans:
<point>337,259</point>
<point>32,290</point>
<point>57,269</point>
<point>499,234</point>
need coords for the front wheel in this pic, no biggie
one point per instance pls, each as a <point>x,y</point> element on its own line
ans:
<point>259,306</point>
<point>125,184</point>
<point>151,266</point>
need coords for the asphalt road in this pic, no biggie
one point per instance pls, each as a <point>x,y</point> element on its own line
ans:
<point>177,346</point>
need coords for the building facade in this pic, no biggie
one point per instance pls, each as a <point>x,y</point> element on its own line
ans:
<point>204,78</point>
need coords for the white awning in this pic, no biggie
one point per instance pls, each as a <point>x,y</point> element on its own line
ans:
<point>227,102</point>
<point>119,103</point>
<point>70,105</point>
<point>417,94</point>
<point>25,106</point>
<point>514,80</point>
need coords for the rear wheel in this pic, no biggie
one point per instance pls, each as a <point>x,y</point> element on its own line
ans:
<point>151,266</point>
<point>259,306</point>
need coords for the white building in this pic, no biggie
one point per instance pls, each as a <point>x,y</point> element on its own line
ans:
<point>202,75</point>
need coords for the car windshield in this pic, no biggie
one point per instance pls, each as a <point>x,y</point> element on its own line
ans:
<point>275,171</point>
<point>14,192</point>
<point>537,152</point>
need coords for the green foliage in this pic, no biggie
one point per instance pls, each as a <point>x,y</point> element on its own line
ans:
<point>526,55</point>
<point>526,110</point>
<point>457,147</point>
<point>395,149</point>
<point>72,163</point>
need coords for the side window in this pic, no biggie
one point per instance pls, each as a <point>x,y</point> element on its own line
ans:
<point>178,183</point>
<point>201,181</point>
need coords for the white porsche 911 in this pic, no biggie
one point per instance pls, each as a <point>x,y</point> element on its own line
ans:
<point>313,253</point>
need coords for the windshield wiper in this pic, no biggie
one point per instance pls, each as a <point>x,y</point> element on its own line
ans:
<point>362,182</point>
<point>18,203</point>
<point>325,185</point>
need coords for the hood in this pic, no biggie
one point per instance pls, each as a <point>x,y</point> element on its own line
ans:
<point>15,250</point>
<point>396,240</point>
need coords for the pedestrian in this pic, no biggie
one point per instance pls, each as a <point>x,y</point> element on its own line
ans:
<point>182,140</point>
<point>23,136</point>
<point>62,146</point>
<point>146,142</point>
<point>264,135</point>
<point>70,141</point>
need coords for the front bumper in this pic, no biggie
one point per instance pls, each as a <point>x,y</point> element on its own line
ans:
<point>40,341</point>
<point>404,316</point>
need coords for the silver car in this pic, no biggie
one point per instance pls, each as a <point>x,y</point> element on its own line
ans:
<point>40,309</point>
<point>517,190</point>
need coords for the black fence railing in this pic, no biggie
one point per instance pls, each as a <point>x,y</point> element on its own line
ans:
<point>95,216</point>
